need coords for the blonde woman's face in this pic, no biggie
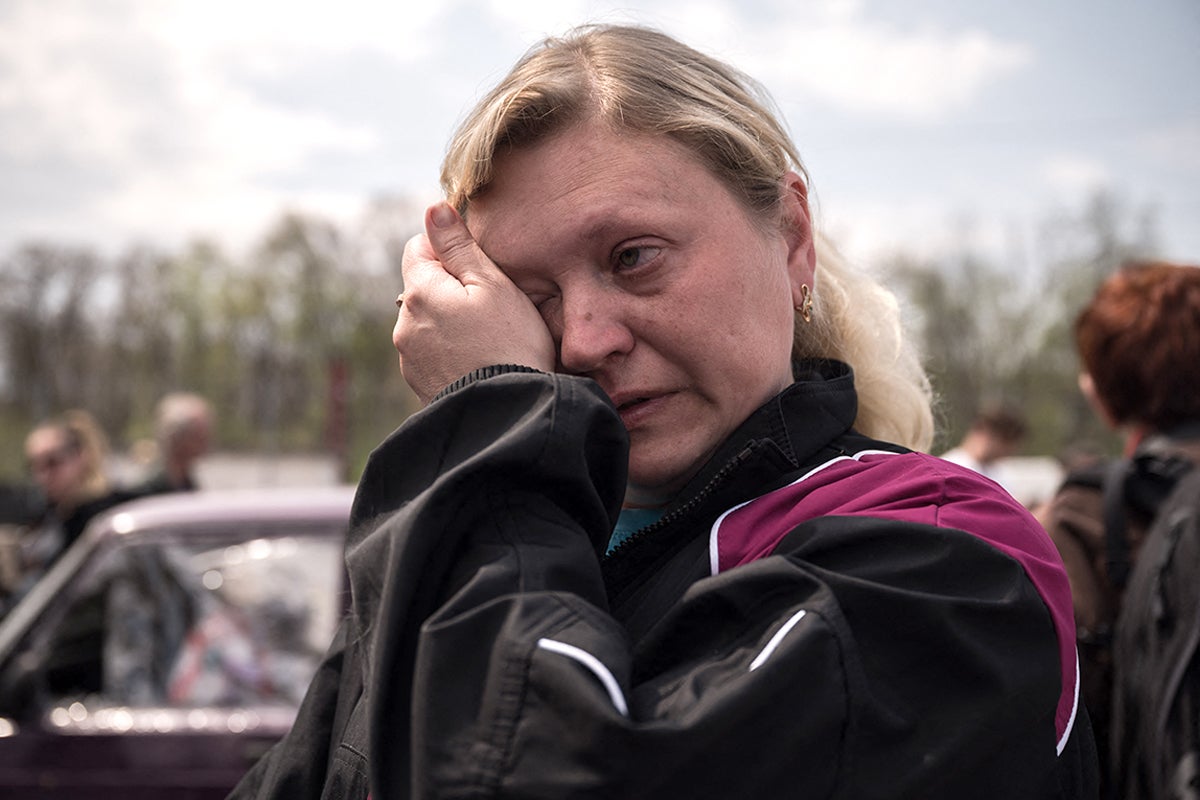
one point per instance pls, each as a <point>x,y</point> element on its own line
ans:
<point>654,281</point>
<point>54,465</point>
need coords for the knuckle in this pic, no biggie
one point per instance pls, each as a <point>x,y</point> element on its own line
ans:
<point>459,249</point>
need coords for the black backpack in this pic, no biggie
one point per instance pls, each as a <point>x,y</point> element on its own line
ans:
<point>1155,724</point>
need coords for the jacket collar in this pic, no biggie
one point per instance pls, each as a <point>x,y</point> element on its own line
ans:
<point>795,425</point>
<point>799,426</point>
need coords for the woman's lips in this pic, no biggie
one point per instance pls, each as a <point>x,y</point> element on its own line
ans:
<point>636,410</point>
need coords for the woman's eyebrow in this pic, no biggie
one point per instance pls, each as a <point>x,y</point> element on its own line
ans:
<point>603,224</point>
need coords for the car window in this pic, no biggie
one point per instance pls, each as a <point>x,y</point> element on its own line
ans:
<point>169,621</point>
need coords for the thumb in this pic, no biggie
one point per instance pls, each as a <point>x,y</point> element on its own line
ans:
<point>454,246</point>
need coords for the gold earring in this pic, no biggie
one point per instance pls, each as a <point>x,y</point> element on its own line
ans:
<point>804,307</point>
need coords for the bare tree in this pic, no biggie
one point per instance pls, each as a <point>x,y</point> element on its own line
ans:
<point>995,329</point>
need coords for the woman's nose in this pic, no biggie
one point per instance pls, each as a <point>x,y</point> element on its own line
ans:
<point>593,332</point>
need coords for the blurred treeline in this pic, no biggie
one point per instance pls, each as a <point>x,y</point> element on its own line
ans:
<point>1000,330</point>
<point>292,342</point>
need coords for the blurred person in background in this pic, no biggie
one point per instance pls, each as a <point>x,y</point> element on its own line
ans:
<point>1138,341</point>
<point>662,528</point>
<point>183,430</point>
<point>66,456</point>
<point>996,433</point>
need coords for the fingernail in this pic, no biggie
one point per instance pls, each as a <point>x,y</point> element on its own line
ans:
<point>443,215</point>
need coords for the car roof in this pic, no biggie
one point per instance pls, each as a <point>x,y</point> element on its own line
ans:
<point>222,506</point>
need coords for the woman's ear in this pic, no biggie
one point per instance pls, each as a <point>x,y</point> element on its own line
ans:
<point>798,231</point>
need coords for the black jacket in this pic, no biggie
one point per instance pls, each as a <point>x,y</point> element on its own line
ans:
<point>819,616</point>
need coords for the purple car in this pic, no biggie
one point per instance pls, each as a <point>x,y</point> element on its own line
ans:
<point>171,646</point>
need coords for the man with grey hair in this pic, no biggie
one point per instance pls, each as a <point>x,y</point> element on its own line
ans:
<point>183,431</point>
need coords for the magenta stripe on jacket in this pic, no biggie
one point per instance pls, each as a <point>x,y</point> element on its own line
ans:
<point>917,488</point>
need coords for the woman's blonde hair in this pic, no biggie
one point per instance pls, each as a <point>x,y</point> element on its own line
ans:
<point>640,80</point>
<point>93,445</point>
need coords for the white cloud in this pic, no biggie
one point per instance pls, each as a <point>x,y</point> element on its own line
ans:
<point>276,31</point>
<point>828,49</point>
<point>1176,145</point>
<point>868,231</point>
<point>94,84</point>
<point>164,107</point>
<point>148,95</point>
<point>834,52</point>
<point>54,93</point>
<point>1074,175</point>
<point>863,67</point>
<point>538,18</point>
<point>186,203</point>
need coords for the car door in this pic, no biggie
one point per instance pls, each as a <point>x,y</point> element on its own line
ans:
<point>167,661</point>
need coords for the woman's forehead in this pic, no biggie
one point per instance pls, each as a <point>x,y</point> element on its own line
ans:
<point>45,439</point>
<point>594,178</point>
<point>594,147</point>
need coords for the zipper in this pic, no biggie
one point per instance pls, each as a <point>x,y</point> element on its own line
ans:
<point>623,563</point>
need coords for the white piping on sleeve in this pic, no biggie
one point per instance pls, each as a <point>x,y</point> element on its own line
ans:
<point>1062,742</point>
<point>594,665</point>
<point>714,558</point>
<point>714,554</point>
<point>766,652</point>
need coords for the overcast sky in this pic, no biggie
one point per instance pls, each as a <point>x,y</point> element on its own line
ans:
<point>159,121</point>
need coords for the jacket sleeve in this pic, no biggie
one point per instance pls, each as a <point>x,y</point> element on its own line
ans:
<point>484,511</point>
<point>495,669</point>
<point>296,768</point>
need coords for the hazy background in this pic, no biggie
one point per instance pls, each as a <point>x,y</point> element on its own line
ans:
<point>922,123</point>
